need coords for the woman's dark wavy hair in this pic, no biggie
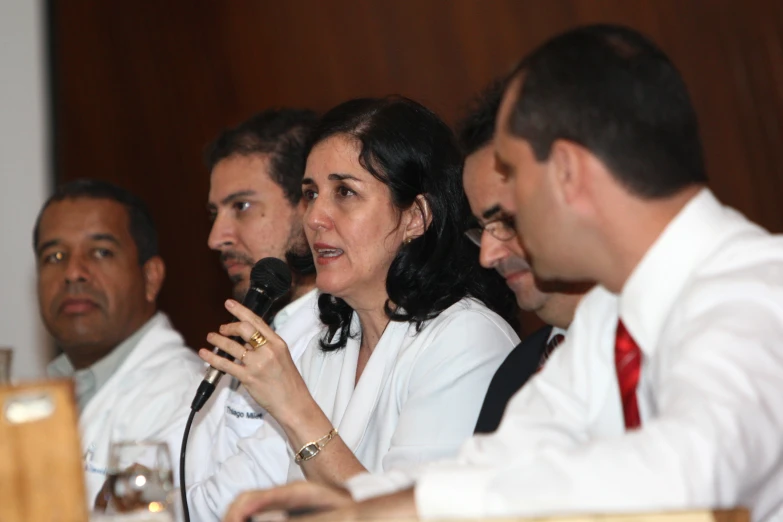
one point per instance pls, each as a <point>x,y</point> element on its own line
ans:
<point>413,152</point>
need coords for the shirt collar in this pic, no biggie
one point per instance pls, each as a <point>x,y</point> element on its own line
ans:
<point>290,309</point>
<point>60,367</point>
<point>556,331</point>
<point>650,292</point>
<point>106,367</point>
<point>88,381</point>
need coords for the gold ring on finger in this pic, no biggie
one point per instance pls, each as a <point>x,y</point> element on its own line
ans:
<point>242,359</point>
<point>257,340</point>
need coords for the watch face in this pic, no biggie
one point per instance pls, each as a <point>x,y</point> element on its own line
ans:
<point>309,451</point>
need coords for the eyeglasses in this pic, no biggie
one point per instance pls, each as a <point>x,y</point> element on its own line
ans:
<point>502,229</point>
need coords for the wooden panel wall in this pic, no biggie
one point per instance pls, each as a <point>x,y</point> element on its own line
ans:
<point>141,87</point>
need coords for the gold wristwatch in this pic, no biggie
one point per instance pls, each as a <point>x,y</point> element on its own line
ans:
<point>311,449</point>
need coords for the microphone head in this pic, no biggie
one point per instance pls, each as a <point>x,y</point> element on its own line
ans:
<point>272,275</point>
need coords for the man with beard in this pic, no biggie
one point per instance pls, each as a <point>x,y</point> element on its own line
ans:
<point>554,303</point>
<point>256,207</point>
<point>255,201</point>
<point>99,274</point>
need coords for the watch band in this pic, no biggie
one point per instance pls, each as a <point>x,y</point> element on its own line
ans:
<point>311,449</point>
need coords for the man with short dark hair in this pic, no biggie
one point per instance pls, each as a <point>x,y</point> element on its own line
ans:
<point>99,274</point>
<point>491,201</point>
<point>255,196</point>
<point>666,395</point>
<point>255,202</point>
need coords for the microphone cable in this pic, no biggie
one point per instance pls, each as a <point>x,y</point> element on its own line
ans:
<point>270,279</point>
<point>182,488</point>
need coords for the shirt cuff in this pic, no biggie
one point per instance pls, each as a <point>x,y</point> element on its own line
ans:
<point>451,490</point>
<point>367,485</point>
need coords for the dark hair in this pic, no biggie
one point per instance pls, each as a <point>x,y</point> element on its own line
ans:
<point>140,223</point>
<point>413,152</point>
<point>282,133</point>
<point>613,91</point>
<point>477,128</point>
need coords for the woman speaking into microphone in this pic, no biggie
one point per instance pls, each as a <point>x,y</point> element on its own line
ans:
<point>410,340</point>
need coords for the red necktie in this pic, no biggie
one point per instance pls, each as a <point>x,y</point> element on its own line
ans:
<point>553,343</point>
<point>628,361</point>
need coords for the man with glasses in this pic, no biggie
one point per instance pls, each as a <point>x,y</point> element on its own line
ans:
<point>554,303</point>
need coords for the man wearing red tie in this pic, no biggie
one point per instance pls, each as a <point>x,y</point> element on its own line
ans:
<point>667,393</point>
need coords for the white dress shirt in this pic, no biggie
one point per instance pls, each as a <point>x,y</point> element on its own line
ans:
<point>420,393</point>
<point>417,400</point>
<point>372,484</point>
<point>307,301</point>
<point>705,306</point>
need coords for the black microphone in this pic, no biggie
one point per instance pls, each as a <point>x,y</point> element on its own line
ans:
<point>270,279</point>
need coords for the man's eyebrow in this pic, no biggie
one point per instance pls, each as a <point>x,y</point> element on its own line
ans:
<point>102,236</point>
<point>236,195</point>
<point>491,212</point>
<point>48,244</point>
<point>105,237</point>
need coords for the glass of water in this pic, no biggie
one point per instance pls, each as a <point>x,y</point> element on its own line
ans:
<point>140,477</point>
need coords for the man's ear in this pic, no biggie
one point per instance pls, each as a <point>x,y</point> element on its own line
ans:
<point>568,168</point>
<point>154,274</point>
<point>419,219</point>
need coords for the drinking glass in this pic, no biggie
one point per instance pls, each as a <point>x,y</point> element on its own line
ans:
<point>140,477</point>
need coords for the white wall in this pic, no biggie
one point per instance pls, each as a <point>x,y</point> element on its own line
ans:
<point>24,179</point>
